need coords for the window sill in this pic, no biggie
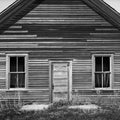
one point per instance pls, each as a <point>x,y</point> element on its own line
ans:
<point>16,90</point>
<point>103,89</point>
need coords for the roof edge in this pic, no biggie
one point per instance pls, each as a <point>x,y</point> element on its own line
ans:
<point>10,11</point>
<point>9,7</point>
<point>99,6</point>
<point>105,10</point>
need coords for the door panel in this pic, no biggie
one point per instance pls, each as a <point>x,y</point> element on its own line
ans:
<point>60,81</point>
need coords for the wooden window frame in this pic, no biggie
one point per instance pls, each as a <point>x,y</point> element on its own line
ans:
<point>111,70</point>
<point>8,70</point>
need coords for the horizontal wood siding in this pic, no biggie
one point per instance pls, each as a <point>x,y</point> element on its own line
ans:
<point>82,74</point>
<point>2,71</point>
<point>28,96</point>
<point>41,96</point>
<point>38,73</point>
<point>117,71</point>
<point>70,20</point>
<point>59,29</point>
<point>37,84</point>
<point>38,79</point>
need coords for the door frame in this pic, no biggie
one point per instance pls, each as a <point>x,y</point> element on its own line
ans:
<point>51,81</point>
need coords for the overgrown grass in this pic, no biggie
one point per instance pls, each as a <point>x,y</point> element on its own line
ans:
<point>58,111</point>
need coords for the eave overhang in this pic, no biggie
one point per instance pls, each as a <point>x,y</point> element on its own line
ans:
<point>99,6</point>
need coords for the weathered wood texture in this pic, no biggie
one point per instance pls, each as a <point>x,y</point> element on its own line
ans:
<point>27,96</point>
<point>60,21</point>
<point>82,74</point>
<point>2,71</point>
<point>66,29</point>
<point>117,71</point>
<point>38,74</point>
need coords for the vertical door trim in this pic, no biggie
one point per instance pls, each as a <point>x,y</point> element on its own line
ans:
<point>50,82</point>
<point>69,81</point>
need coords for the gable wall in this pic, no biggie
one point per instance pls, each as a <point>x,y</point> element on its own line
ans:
<point>64,29</point>
<point>71,20</point>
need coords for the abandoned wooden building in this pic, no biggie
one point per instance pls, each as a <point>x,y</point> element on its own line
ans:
<point>59,49</point>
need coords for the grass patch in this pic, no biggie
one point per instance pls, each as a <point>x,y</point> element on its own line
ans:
<point>59,111</point>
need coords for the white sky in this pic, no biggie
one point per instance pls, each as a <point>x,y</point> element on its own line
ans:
<point>5,3</point>
<point>114,3</point>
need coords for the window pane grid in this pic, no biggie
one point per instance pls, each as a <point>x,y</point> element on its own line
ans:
<point>102,72</point>
<point>17,72</point>
<point>17,75</point>
<point>17,80</point>
<point>102,80</point>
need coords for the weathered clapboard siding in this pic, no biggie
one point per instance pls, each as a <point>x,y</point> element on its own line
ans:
<point>36,95</point>
<point>2,71</point>
<point>82,74</point>
<point>58,20</point>
<point>38,73</point>
<point>117,71</point>
<point>89,46</point>
<point>37,84</point>
<point>59,29</point>
<point>41,96</point>
<point>38,80</point>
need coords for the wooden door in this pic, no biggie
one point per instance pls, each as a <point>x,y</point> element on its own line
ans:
<point>60,79</point>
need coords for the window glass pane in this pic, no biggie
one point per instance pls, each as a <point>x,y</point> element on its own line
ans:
<point>13,80</point>
<point>21,64</point>
<point>21,80</point>
<point>98,80</point>
<point>106,64</point>
<point>98,63</point>
<point>106,80</point>
<point>13,62</point>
